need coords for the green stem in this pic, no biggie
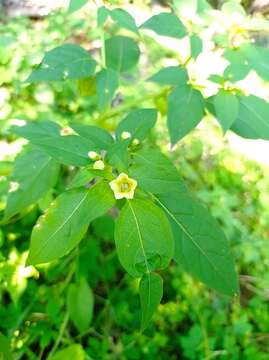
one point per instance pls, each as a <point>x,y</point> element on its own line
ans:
<point>60,335</point>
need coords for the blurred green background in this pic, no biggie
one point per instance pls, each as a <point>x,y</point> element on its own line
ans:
<point>192,322</point>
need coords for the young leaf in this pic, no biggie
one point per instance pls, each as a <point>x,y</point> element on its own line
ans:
<point>165,24</point>
<point>107,82</point>
<point>124,19</point>
<point>74,352</point>
<point>100,138</point>
<point>226,107</point>
<point>185,111</point>
<point>66,221</point>
<point>253,118</point>
<point>82,177</point>
<point>143,237</point>
<point>196,45</point>
<point>102,15</point>
<point>151,293</point>
<point>75,5</point>
<point>155,173</point>
<point>68,61</point>
<point>200,245</point>
<point>121,52</point>
<point>138,123</point>
<point>34,174</point>
<point>80,304</point>
<point>172,75</point>
<point>87,86</point>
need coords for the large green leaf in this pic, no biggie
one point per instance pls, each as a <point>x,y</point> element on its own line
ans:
<point>138,123</point>
<point>143,237</point>
<point>75,5</point>
<point>34,174</point>
<point>80,304</point>
<point>117,155</point>
<point>107,82</point>
<point>100,138</point>
<point>200,245</point>
<point>155,173</point>
<point>5,348</point>
<point>226,107</point>
<point>122,53</point>
<point>68,61</point>
<point>253,118</point>
<point>165,24</point>
<point>171,75</point>
<point>124,19</point>
<point>151,292</point>
<point>69,150</point>
<point>74,352</point>
<point>185,111</point>
<point>66,221</point>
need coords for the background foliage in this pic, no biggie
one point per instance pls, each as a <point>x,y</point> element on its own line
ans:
<point>192,322</point>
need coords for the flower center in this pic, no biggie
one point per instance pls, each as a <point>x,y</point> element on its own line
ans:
<point>124,187</point>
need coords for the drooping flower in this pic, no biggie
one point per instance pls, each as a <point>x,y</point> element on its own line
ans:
<point>123,186</point>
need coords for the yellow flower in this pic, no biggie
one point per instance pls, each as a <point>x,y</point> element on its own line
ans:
<point>99,165</point>
<point>123,187</point>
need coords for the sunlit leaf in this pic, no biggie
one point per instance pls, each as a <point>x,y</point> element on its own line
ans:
<point>226,107</point>
<point>172,75</point>
<point>143,237</point>
<point>75,5</point>
<point>107,82</point>
<point>66,221</point>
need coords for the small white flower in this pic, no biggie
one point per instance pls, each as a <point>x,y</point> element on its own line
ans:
<point>125,135</point>
<point>123,186</point>
<point>93,155</point>
<point>99,165</point>
<point>135,142</point>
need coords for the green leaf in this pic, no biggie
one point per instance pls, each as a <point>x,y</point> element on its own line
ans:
<point>172,75</point>
<point>66,221</point>
<point>151,293</point>
<point>100,138</point>
<point>5,349</point>
<point>154,172</point>
<point>239,66</point>
<point>34,174</point>
<point>121,52</point>
<point>117,155</point>
<point>200,245</point>
<point>82,178</point>
<point>68,61</point>
<point>107,82</point>
<point>253,118</point>
<point>226,107</point>
<point>185,111</point>
<point>80,304</point>
<point>74,352</point>
<point>124,19</point>
<point>102,15</point>
<point>37,130</point>
<point>165,24</point>
<point>143,237</point>
<point>69,150</point>
<point>196,45</point>
<point>75,5</point>
<point>138,123</point>
<point>257,58</point>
